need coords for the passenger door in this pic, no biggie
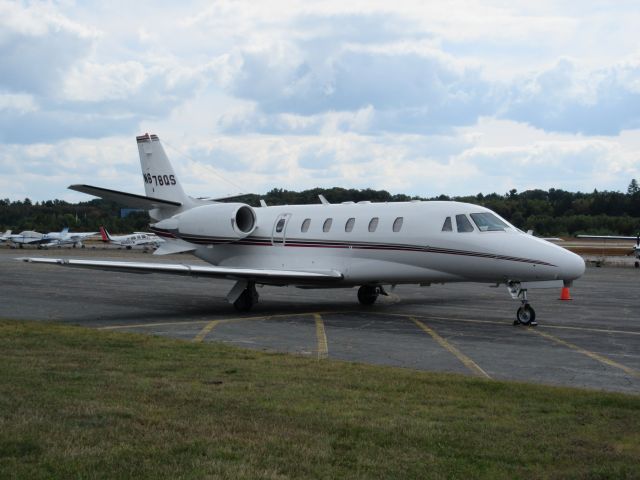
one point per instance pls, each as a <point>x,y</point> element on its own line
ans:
<point>278,235</point>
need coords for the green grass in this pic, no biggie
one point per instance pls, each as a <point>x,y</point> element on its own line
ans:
<point>77,403</point>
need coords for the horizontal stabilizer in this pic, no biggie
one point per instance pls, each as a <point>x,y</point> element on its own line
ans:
<point>255,274</point>
<point>126,199</point>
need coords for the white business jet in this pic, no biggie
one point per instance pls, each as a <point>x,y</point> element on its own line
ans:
<point>368,245</point>
<point>135,239</point>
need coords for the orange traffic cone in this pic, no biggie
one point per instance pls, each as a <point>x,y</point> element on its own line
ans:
<point>564,294</point>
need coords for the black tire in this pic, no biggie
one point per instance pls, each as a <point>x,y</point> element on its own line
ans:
<point>526,315</point>
<point>367,295</point>
<point>637,264</point>
<point>247,299</point>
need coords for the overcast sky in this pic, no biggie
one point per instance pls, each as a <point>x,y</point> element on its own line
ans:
<point>423,97</point>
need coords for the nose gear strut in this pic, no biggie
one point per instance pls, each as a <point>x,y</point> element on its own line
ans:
<point>525,315</point>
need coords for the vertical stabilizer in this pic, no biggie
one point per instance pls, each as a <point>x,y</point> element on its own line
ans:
<point>160,181</point>
<point>105,235</point>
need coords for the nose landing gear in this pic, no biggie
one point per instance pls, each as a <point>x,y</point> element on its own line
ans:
<point>525,315</point>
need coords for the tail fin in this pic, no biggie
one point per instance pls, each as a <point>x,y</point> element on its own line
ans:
<point>65,230</point>
<point>160,181</point>
<point>105,235</point>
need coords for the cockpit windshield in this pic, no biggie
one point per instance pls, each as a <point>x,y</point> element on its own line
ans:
<point>488,222</point>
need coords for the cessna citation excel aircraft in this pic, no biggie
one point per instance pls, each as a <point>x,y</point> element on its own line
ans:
<point>362,244</point>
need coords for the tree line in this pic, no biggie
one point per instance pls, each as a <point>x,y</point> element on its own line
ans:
<point>553,212</point>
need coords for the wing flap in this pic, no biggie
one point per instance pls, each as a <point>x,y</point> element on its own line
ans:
<point>256,274</point>
<point>124,198</point>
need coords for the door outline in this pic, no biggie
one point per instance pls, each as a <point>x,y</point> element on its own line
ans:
<point>280,238</point>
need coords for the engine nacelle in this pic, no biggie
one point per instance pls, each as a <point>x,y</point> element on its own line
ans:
<point>218,222</point>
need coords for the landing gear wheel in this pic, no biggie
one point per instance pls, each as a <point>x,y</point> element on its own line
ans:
<point>367,295</point>
<point>247,299</point>
<point>637,264</point>
<point>526,315</point>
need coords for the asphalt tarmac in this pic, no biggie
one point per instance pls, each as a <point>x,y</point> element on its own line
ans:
<point>590,342</point>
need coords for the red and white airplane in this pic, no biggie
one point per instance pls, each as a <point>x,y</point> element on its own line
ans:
<point>135,239</point>
<point>364,244</point>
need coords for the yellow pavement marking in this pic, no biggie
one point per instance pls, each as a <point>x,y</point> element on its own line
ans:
<point>160,324</point>
<point>466,361</point>
<point>495,322</point>
<point>321,336</point>
<point>345,312</point>
<point>197,322</point>
<point>206,330</point>
<point>589,354</point>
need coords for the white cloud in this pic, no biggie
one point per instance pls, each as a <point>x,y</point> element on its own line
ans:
<point>17,102</point>
<point>411,96</point>
<point>37,45</point>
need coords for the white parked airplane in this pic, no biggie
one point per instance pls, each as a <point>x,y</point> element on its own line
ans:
<point>66,238</point>
<point>27,237</point>
<point>635,251</point>
<point>133,240</point>
<point>5,236</point>
<point>362,244</point>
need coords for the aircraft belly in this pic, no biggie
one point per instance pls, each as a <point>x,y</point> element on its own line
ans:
<point>379,265</point>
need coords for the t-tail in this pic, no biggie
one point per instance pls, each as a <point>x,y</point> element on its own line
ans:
<point>164,195</point>
<point>160,181</point>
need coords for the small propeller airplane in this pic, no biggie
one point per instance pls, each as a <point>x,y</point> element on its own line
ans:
<point>66,238</point>
<point>132,240</point>
<point>635,251</point>
<point>26,237</point>
<point>365,245</point>
<point>29,237</point>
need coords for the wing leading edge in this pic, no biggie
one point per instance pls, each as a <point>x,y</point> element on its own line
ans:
<point>124,198</point>
<point>255,274</point>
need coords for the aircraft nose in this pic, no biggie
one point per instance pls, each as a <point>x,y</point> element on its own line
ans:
<point>572,266</point>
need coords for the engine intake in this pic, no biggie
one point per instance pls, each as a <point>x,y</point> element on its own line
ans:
<point>218,221</point>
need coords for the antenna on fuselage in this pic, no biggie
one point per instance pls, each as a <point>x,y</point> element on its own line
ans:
<point>323,200</point>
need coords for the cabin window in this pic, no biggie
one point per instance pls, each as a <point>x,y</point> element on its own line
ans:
<point>464,225</point>
<point>280,225</point>
<point>326,226</point>
<point>305,225</point>
<point>447,225</point>
<point>373,224</point>
<point>397,224</point>
<point>488,222</point>
<point>348,227</point>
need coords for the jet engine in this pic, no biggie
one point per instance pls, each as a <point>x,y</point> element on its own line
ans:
<point>217,222</point>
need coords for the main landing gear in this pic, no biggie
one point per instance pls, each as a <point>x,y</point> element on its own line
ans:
<point>243,295</point>
<point>525,315</point>
<point>368,294</point>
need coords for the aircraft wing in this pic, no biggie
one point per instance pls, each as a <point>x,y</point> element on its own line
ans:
<point>255,274</point>
<point>605,237</point>
<point>81,236</point>
<point>124,198</point>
